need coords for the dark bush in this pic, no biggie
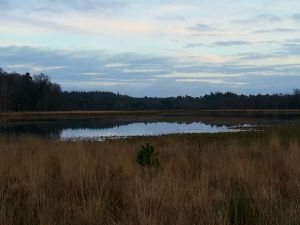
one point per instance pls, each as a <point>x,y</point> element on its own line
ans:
<point>147,156</point>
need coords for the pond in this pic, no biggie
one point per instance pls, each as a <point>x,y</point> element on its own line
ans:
<point>126,126</point>
<point>142,129</point>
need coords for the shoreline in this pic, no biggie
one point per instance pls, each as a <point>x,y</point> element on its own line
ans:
<point>140,112</point>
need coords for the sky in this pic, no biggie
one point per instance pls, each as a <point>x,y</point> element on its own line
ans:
<point>155,48</point>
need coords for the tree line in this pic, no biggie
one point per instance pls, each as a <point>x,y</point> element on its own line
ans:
<point>23,92</point>
<point>26,93</point>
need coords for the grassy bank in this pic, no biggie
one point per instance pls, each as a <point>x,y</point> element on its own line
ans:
<point>96,114</point>
<point>238,178</point>
<point>72,114</point>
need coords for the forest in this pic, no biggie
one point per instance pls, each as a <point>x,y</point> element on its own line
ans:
<point>23,92</point>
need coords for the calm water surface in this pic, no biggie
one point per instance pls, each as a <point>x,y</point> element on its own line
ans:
<point>143,129</point>
<point>114,127</point>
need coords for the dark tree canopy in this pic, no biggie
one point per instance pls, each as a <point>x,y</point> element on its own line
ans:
<point>26,93</point>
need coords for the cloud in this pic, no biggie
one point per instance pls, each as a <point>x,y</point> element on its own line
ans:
<point>297,17</point>
<point>277,30</point>
<point>269,17</point>
<point>288,48</point>
<point>211,81</point>
<point>151,42</point>
<point>73,24</point>
<point>294,40</point>
<point>57,6</point>
<point>291,49</point>
<point>75,65</point>
<point>139,75</point>
<point>231,43</point>
<point>115,65</point>
<point>43,24</point>
<point>259,18</point>
<point>170,18</point>
<point>193,45</point>
<point>89,4</point>
<point>201,28</point>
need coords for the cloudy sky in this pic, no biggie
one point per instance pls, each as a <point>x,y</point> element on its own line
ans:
<point>157,47</point>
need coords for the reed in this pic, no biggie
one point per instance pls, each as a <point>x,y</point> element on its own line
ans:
<point>239,178</point>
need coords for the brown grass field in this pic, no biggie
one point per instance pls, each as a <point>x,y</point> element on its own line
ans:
<point>243,178</point>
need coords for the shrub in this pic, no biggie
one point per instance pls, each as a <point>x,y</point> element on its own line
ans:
<point>147,156</point>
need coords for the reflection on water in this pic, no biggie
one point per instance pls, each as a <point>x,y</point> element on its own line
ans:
<point>124,126</point>
<point>142,129</point>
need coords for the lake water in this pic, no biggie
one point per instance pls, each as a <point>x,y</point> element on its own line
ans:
<point>143,129</point>
<point>124,126</point>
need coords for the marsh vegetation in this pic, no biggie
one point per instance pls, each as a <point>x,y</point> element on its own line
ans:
<point>229,178</point>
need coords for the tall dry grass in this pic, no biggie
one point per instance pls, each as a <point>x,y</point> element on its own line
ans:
<point>223,179</point>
